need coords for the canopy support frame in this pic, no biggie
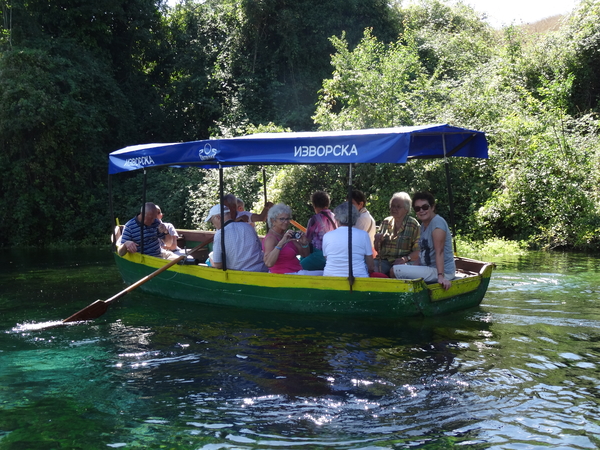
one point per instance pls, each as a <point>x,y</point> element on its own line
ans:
<point>449,188</point>
<point>143,224</point>
<point>264,174</point>
<point>350,268</point>
<point>112,214</point>
<point>222,205</point>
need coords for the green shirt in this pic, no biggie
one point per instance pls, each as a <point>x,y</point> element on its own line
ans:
<point>396,245</point>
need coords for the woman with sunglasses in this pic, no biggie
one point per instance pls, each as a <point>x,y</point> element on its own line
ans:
<point>280,246</point>
<point>435,256</point>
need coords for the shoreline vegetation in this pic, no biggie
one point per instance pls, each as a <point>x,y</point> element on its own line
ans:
<point>80,81</point>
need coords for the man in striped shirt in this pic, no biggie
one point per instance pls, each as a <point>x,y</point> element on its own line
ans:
<point>154,230</point>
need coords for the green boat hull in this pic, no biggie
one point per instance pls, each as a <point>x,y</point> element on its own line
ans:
<point>369,297</point>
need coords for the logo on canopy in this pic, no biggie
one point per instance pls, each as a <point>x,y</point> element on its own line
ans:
<point>206,153</point>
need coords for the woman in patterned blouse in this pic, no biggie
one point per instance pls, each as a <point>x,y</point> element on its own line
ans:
<point>397,239</point>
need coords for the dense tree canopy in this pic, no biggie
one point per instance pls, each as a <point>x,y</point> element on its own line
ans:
<point>81,79</point>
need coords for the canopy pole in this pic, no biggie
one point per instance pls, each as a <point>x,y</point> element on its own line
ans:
<point>350,271</point>
<point>264,174</point>
<point>112,214</point>
<point>450,197</point>
<point>143,224</point>
<point>221,195</point>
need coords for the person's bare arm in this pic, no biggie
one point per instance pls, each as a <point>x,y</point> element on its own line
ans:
<point>439,238</point>
<point>273,247</point>
<point>168,239</point>
<point>262,217</point>
<point>170,242</point>
<point>370,263</point>
<point>127,246</point>
<point>302,246</point>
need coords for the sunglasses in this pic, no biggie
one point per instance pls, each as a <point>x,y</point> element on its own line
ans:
<point>424,207</point>
<point>284,219</point>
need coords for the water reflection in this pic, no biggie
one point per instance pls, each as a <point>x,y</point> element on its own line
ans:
<point>306,378</point>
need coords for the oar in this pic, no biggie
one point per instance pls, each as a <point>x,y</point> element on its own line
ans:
<point>297,225</point>
<point>99,307</point>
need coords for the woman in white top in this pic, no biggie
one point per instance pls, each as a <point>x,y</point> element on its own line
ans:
<point>335,246</point>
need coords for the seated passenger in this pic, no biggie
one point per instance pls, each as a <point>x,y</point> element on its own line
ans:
<point>280,246</point>
<point>153,230</point>
<point>436,256</point>
<point>320,223</point>
<point>335,246</point>
<point>397,240</point>
<point>252,218</point>
<point>171,230</point>
<point>365,220</point>
<point>242,246</point>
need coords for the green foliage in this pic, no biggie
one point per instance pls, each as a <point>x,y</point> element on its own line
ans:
<point>80,80</point>
<point>490,249</point>
<point>548,193</point>
<point>540,185</point>
<point>76,81</point>
<point>580,41</point>
<point>199,37</point>
<point>452,40</point>
<point>372,86</point>
<point>59,113</point>
<point>280,54</point>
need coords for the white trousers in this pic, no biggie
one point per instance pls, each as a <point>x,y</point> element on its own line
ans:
<point>429,274</point>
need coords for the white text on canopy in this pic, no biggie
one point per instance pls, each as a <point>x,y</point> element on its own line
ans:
<point>139,161</point>
<point>309,151</point>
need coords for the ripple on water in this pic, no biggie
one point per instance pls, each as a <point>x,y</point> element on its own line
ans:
<point>518,372</point>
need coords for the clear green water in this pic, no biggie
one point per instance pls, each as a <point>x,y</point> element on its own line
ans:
<point>519,372</point>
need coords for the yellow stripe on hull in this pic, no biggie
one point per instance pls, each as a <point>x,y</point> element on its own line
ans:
<point>260,279</point>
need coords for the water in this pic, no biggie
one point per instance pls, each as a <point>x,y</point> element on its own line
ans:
<point>519,372</point>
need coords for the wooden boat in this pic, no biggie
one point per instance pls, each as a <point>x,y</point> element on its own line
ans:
<point>364,297</point>
<point>369,297</point>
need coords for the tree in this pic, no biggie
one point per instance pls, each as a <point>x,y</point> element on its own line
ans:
<point>373,85</point>
<point>60,112</point>
<point>76,81</point>
<point>284,50</point>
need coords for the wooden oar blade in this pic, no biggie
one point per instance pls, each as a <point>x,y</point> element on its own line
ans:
<point>90,312</point>
<point>99,307</point>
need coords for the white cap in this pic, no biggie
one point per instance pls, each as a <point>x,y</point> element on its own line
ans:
<point>215,211</point>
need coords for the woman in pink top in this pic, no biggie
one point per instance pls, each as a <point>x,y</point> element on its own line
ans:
<point>279,245</point>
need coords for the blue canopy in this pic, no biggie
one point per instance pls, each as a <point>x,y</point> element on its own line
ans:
<point>380,145</point>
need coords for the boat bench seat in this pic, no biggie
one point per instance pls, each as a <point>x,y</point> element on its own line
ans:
<point>462,273</point>
<point>200,255</point>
